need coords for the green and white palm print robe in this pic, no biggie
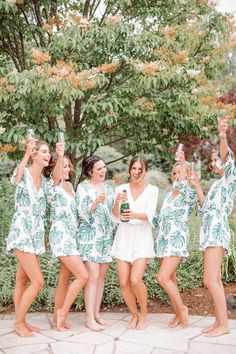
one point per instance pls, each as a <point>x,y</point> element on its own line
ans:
<point>63,236</point>
<point>172,223</point>
<point>27,228</point>
<point>95,229</point>
<point>217,207</point>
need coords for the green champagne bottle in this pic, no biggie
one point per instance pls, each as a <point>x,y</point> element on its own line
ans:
<point>124,206</point>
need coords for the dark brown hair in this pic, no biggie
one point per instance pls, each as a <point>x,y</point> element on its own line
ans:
<point>52,163</point>
<point>140,159</point>
<point>88,163</point>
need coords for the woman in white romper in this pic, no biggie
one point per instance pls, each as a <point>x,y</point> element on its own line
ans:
<point>133,244</point>
<point>173,237</point>
<point>63,236</point>
<point>215,231</point>
<point>26,235</point>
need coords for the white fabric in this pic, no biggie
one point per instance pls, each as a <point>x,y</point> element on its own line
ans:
<point>134,239</point>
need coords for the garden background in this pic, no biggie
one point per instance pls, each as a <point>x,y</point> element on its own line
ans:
<point>120,78</point>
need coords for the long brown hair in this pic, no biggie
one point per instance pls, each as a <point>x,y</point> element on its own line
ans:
<point>142,161</point>
<point>52,163</point>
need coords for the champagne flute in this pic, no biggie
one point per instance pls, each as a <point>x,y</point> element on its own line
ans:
<point>30,136</point>
<point>179,148</point>
<point>61,138</point>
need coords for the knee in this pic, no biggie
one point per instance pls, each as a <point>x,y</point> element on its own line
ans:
<point>93,277</point>
<point>124,284</point>
<point>84,277</point>
<point>38,283</point>
<point>135,281</point>
<point>64,280</point>
<point>22,279</point>
<point>207,281</point>
<point>161,279</point>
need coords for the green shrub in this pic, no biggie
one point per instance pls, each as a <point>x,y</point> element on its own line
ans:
<point>189,273</point>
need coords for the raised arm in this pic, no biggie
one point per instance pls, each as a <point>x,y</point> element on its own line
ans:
<point>182,163</point>
<point>58,169</point>
<point>29,147</point>
<point>194,180</point>
<point>224,149</point>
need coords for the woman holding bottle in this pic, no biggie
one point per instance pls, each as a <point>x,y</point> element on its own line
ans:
<point>215,231</point>
<point>26,235</point>
<point>173,237</point>
<point>63,237</point>
<point>133,244</point>
<point>94,199</point>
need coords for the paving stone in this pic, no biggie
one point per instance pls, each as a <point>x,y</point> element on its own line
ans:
<point>175,339</point>
<point>113,315</point>
<point>90,338</point>
<point>117,329</point>
<point>167,351</point>
<point>6,324</point>
<point>71,348</point>
<point>123,347</point>
<point>210,348</point>
<point>207,321</point>
<point>59,335</point>
<point>5,331</point>
<point>27,349</point>
<point>41,321</point>
<point>227,339</point>
<point>105,348</point>
<point>12,340</point>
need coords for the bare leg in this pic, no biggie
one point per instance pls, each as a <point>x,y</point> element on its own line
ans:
<point>60,292</point>
<point>100,289</point>
<point>212,279</point>
<point>168,267</point>
<point>76,266</point>
<point>90,295</point>
<point>20,287</point>
<point>29,265</point>
<point>175,320</point>
<point>124,271</point>
<point>140,290</point>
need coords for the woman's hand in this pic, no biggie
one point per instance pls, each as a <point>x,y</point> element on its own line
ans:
<point>129,214</point>
<point>181,157</point>
<point>193,177</point>
<point>30,146</point>
<point>60,149</point>
<point>222,127</point>
<point>120,198</point>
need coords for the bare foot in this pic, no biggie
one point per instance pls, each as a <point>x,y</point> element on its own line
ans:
<point>217,331</point>
<point>54,324</point>
<point>61,320</point>
<point>22,330</point>
<point>209,328</point>
<point>133,323</point>
<point>31,328</point>
<point>184,318</point>
<point>174,322</point>
<point>94,326</point>
<point>142,323</point>
<point>101,321</point>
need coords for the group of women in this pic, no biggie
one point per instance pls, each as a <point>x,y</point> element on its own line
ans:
<point>87,232</point>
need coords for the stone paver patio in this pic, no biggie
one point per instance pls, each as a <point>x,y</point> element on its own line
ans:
<point>157,338</point>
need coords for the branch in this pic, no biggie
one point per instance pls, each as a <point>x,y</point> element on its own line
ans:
<point>118,159</point>
<point>77,113</point>
<point>26,20</point>
<point>86,8</point>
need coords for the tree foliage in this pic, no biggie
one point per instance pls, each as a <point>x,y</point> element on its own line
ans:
<point>139,72</point>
